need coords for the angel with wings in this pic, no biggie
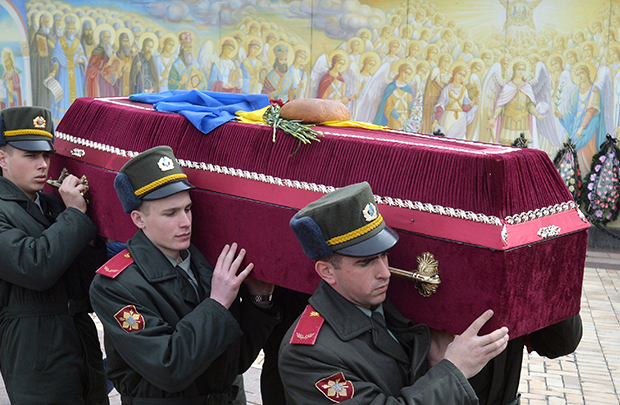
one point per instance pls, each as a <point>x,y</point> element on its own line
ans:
<point>518,106</point>
<point>589,117</point>
<point>454,109</point>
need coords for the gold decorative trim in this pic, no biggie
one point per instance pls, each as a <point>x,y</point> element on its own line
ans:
<point>541,213</point>
<point>321,188</point>
<point>549,231</point>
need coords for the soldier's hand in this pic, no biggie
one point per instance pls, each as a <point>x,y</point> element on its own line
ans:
<point>226,282</point>
<point>470,352</point>
<point>72,193</point>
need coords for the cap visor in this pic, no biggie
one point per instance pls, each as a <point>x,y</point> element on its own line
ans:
<point>33,146</point>
<point>379,243</point>
<point>168,190</point>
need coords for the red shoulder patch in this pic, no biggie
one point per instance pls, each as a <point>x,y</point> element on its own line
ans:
<point>308,327</point>
<point>336,388</point>
<point>116,265</point>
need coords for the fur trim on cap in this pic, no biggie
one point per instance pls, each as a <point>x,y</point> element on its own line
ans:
<point>311,238</point>
<point>2,138</point>
<point>126,193</point>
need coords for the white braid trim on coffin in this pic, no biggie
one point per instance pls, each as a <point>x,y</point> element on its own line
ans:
<point>320,188</point>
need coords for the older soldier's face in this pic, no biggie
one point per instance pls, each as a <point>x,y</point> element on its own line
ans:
<point>362,280</point>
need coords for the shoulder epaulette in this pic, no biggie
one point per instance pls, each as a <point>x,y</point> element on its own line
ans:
<point>116,265</point>
<point>308,327</point>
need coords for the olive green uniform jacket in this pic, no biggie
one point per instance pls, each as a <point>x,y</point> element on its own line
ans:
<point>376,368</point>
<point>177,349</point>
<point>49,350</point>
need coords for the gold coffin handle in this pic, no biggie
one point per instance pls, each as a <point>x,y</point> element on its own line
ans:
<point>426,276</point>
<point>63,174</point>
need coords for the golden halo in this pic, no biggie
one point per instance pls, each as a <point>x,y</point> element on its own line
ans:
<point>175,39</point>
<point>93,24</point>
<point>354,39</point>
<point>104,27</point>
<point>445,55</point>
<point>290,53</point>
<point>363,30</point>
<point>373,55</point>
<point>397,64</point>
<point>126,31</point>
<point>251,38</point>
<point>272,33</point>
<point>116,20</point>
<point>517,59</point>
<point>413,42</point>
<point>555,55</point>
<point>97,16</point>
<point>347,59</point>
<point>418,63</point>
<point>454,65</point>
<point>146,35</point>
<point>591,71</point>
<point>233,41</point>
<point>614,46</point>
<point>428,49</point>
<point>474,61</point>
<point>47,13</point>
<point>303,47</point>
<point>386,47</point>
<point>594,48</point>
<point>78,23</point>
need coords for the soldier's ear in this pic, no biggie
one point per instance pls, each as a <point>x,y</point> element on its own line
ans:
<point>138,218</point>
<point>325,270</point>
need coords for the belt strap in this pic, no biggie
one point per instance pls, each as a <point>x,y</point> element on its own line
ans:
<point>225,398</point>
<point>30,309</point>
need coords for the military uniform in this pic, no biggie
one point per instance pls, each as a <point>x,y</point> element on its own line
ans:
<point>49,351</point>
<point>350,345</point>
<point>178,348</point>
<point>166,341</point>
<point>351,360</point>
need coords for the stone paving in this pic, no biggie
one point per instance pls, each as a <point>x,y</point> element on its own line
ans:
<point>590,376</point>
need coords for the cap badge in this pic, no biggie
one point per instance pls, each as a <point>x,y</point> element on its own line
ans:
<point>39,122</point>
<point>370,212</point>
<point>165,164</point>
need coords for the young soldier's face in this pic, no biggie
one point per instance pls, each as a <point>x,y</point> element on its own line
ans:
<point>167,222</point>
<point>363,280</point>
<point>27,170</point>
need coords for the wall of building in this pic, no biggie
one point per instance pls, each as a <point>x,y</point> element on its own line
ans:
<point>399,63</point>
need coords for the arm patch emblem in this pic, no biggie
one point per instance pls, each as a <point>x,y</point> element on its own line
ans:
<point>336,388</point>
<point>130,319</point>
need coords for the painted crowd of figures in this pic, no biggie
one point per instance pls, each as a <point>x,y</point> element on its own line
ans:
<point>418,72</point>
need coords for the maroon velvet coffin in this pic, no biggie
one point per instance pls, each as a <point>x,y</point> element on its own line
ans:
<point>498,220</point>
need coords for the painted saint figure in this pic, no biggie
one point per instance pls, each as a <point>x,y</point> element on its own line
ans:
<point>585,119</point>
<point>454,110</point>
<point>10,80</point>
<point>69,67</point>
<point>514,108</point>
<point>397,98</point>
<point>185,73</point>
<point>143,77</point>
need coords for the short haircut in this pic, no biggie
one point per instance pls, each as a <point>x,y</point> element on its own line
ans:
<point>335,260</point>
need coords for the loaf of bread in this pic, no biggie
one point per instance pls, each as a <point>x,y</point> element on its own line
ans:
<point>315,110</point>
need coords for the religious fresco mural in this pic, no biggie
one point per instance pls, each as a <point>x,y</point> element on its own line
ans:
<point>483,70</point>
